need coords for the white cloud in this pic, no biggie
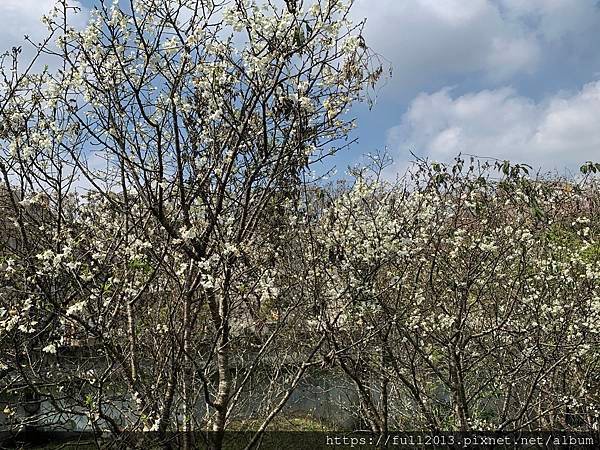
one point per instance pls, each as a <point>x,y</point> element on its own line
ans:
<point>23,17</point>
<point>558,132</point>
<point>431,41</point>
<point>555,19</point>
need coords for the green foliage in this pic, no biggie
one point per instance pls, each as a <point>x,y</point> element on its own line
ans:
<point>563,236</point>
<point>282,423</point>
<point>589,167</point>
<point>140,264</point>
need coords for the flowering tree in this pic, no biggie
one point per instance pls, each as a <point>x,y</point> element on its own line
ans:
<point>474,302</point>
<point>186,120</point>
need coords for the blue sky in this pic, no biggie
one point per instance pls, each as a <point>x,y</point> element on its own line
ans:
<point>511,79</point>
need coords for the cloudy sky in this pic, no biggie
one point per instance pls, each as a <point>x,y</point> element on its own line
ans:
<point>511,79</point>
